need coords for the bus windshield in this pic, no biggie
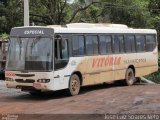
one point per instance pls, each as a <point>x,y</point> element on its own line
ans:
<point>33,54</point>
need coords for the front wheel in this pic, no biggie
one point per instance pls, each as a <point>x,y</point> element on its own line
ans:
<point>74,85</point>
<point>130,77</point>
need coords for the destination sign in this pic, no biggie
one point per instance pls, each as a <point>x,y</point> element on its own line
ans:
<point>32,32</point>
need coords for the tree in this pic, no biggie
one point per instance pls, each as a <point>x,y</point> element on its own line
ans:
<point>154,7</point>
<point>48,11</point>
<point>57,11</point>
<point>134,13</point>
<point>130,12</point>
<point>11,15</point>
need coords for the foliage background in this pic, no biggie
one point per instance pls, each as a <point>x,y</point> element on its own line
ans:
<point>134,13</point>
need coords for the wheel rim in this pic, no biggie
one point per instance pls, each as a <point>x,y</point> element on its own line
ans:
<point>75,85</point>
<point>130,77</point>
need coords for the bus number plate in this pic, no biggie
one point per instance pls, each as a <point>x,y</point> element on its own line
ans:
<point>37,85</point>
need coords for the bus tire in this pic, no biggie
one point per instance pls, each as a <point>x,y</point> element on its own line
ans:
<point>129,77</point>
<point>74,85</point>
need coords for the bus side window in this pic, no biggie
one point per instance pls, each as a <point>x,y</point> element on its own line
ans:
<point>61,53</point>
<point>129,44</point>
<point>121,43</point>
<point>133,46</point>
<point>64,49</point>
<point>78,45</point>
<point>61,49</point>
<point>105,44</point>
<point>116,44</point>
<point>140,43</point>
<point>91,45</point>
<point>150,43</point>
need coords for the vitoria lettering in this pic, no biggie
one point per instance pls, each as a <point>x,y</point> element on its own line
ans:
<point>106,61</point>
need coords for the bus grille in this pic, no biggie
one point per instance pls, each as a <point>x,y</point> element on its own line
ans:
<point>25,81</point>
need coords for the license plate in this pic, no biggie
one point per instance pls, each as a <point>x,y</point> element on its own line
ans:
<point>37,85</point>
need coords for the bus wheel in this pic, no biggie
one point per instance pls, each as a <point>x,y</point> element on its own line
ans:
<point>130,77</point>
<point>74,85</point>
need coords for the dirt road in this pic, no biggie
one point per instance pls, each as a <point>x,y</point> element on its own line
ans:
<point>99,99</point>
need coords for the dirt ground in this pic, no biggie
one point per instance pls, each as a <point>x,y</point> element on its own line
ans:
<point>93,102</point>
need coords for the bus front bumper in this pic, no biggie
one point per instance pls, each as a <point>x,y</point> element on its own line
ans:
<point>25,86</point>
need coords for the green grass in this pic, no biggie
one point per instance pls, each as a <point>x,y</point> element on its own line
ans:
<point>155,77</point>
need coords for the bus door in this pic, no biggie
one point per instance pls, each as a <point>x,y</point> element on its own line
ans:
<point>61,59</point>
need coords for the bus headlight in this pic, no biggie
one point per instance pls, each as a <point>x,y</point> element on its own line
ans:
<point>9,79</point>
<point>43,80</point>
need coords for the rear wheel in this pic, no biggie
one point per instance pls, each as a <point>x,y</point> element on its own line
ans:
<point>74,85</point>
<point>130,77</point>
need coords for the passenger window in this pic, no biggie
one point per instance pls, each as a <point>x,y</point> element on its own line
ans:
<point>116,44</point>
<point>129,43</point>
<point>61,49</point>
<point>78,45</point>
<point>95,45</point>
<point>105,44</point>
<point>121,43</point>
<point>150,43</point>
<point>64,49</point>
<point>91,45</point>
<point>140,43</point>
<point>133,46</point>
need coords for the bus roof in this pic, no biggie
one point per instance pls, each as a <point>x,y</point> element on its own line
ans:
<point>98,28</point>
<point>94,28</point>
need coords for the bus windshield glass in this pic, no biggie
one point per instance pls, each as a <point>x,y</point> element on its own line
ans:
<point>33,54</point>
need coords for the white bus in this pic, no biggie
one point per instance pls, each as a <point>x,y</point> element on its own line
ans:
<point>68,57</point>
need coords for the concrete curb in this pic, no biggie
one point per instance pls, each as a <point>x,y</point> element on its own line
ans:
<point>147,81</point>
